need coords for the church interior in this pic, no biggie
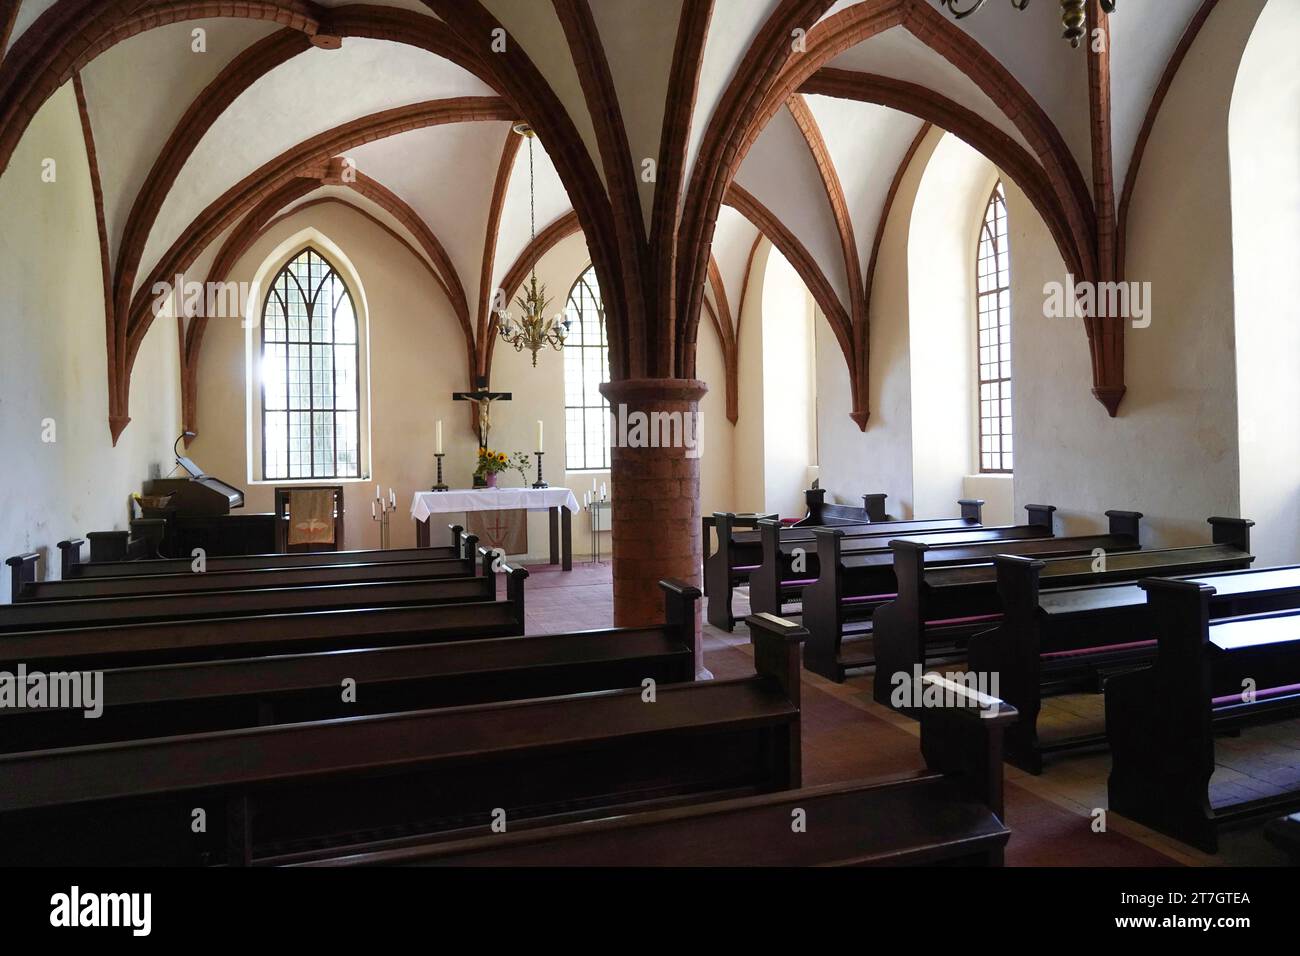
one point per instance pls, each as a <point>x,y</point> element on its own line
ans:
<point>691,433</point>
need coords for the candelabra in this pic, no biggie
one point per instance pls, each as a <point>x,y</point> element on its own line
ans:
<point>540,482</point>
<point>441,486</point>
<point>593,507</point>
<point>381,510</point>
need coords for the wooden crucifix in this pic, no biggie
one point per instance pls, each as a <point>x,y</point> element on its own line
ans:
<point>483,399</point>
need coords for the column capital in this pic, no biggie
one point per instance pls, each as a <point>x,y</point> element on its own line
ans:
<point>643,390</point>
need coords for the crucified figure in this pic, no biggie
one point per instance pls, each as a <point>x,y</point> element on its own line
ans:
<point>483,399</point>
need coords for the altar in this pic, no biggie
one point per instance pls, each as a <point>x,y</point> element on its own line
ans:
<point>560,502</point>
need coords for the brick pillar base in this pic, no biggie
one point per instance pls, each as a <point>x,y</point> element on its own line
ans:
<point>656,499</point>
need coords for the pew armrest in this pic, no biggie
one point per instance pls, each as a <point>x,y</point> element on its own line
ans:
<point>1128,523</point>
<point>874,506</point>
<point>776,650</point>
<point>1232,531</point>
<point>972,509</point>
<point>22,571</point>
<point>1042,516</point>
<point>963,736</point>
<point>70,556</point>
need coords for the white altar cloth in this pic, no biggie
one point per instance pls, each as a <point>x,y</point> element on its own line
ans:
<point>427,503</point>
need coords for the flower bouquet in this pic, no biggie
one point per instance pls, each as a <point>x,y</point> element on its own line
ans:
<point>492,463</point>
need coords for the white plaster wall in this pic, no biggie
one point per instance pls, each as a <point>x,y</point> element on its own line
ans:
<point>789,388</point>
<point>53,364</point>
<point>749,438</point>
<point>1172,452</point>
<point>880,459</point>
<point>941,269</point>
<point>1265,158</point>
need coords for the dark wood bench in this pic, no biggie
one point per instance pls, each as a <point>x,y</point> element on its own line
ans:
<point>739,554</point>
<point>1082,630</point>
<point>727,563</point>
<point>73,565</point>
<point>947,595</point>
<point>790,562</point>
<point>951,814</point>
<point>173,699</point>
<point>1161,720</point>
<point>178,605</point>
<point>197,639</point>
<point>288,792</point>
<point>823,513</point>
<point>26,587</point>
<point>842,602</point>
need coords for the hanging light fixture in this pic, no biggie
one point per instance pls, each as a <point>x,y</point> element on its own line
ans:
<point>1074,14</point>
<point>532,329</point>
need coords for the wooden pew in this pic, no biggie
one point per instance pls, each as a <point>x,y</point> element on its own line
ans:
<point>197,639</point>
<point>178,605</point>
<point>951,814</point>
<point>26,587</point>
<point>740,553</point>
<point>821,513</point>
<point>1081,632</point>
<point>282,793</point>
<point>73,565</point>
<point>727,563</point>
<point>790,562</point>
<point>173,699</point>
<point>845,597</point>
<point>1161,720</point>
<point>946,595</point>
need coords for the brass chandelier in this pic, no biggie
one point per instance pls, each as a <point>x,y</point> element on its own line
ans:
<point>532,329</point>
<point>1074,14</point>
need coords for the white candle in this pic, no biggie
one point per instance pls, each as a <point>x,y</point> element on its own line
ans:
<point>392,497</point>
<point>602,491</point>
<point>438,440</point>
<point>378,494</point>
<point>539,434</point>
<point>373,514</point>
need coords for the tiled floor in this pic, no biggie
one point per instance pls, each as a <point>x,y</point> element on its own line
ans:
<point>846,735</point>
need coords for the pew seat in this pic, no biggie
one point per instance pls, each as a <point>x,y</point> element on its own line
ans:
<point>1209,676</point>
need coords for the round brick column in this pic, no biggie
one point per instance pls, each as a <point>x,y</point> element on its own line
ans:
<point>656,496</point>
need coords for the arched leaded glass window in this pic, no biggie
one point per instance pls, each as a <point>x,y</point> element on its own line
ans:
<point>311,386</point>
<point>993,276</point>
<point>586,367</point>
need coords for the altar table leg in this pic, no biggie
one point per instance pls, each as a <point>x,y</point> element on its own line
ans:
<point>555,535</point>
<point>566,524</point>
<point>422,534</point>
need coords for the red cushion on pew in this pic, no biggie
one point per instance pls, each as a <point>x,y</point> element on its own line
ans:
<point>1132,645</point>
<point>1259,695</point>
<point>863,599</point>
<point>790,520</point>
<point>973,619</point>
